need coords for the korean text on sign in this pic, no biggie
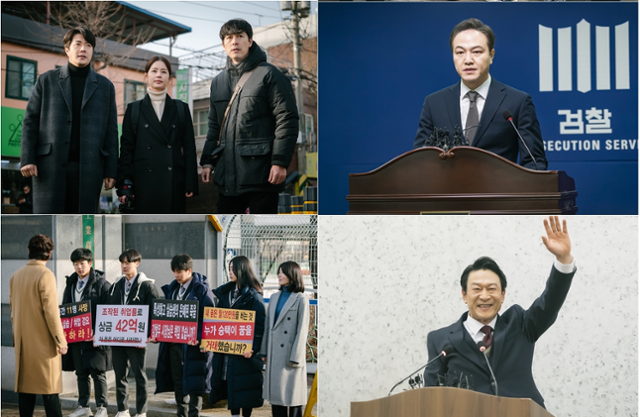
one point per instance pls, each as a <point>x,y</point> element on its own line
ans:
<point>174,321</point>
<point>76,321</point>
<point>122,325</point>
<point>227,330</point>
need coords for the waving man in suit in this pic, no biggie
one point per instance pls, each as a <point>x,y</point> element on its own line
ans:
<point>509,338</point>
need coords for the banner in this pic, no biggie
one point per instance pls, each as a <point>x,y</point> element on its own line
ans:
<point>174,321</point>
<point>226,330</point>
<point>76,321</point>
<point>118,325</point>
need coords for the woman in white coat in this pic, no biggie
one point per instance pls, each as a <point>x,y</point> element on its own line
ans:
<point>284,344</point>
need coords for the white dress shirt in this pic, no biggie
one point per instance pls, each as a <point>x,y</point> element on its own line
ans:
<point>482,91</point>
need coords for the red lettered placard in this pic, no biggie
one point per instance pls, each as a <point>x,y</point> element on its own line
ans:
<point>76,321</point>
<point>226,330</point>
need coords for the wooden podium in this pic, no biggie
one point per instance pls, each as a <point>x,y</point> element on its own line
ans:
<point>464,180</point>
<point>447,402</point>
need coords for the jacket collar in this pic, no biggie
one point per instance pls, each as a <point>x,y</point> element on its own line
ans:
<point>461,341</point>
<point>65,86</point>
<point>273,302</point>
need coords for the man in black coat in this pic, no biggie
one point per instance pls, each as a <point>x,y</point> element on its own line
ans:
<point>132,288</point>
<point>252,145</point>
<point>507,340</point>
<point>70,133</point>
<point>184,368</point>
<point>87,284</point>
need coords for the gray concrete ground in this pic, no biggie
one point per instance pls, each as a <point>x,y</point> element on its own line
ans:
<point>159,405</point>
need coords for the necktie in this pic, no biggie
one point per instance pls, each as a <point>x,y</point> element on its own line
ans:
<point>182,289</point>
<point>128,286</point>
<point>80,285</point>
<point>472,117</point>
<point>488,336</point>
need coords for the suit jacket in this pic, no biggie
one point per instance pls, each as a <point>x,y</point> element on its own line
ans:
<point>37,329</point>
<point>160,159</point>
<point>511,353</point>
<point>46,135</point>
<point>442,110</point>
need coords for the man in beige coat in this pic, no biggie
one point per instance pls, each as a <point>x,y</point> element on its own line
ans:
<point>37,331</point>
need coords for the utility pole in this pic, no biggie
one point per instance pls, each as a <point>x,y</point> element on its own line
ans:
<point>299,10</point>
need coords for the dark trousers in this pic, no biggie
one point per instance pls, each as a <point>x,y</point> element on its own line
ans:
<point>84,383</point>
<point>284,411</point>
<point>256,202</point>
<point>122,356</point>
<point>27,403</point>
<point>194,404</point>
<point>72,193</point>
<point>246,412</point>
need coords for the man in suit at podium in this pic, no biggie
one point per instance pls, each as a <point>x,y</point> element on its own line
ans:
<point>476,104</point>
<point>508,339</point>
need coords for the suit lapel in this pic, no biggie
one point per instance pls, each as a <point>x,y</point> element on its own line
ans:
<point>287,305</point>
<point>167,117</point>
<point>90,86</point>
<point>273,304</point>
<point>453,107</point>
<point>65,87</point>
<point>461,341</point>
<point>146,108</point>
<point>492,103</point>
<point>497,344</point>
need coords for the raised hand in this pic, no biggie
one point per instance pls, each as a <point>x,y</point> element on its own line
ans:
<point>557,240</point>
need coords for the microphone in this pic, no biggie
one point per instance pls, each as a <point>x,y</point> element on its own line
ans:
<point>446,350</point>
<point>509,118</point>
<point>482,348</point>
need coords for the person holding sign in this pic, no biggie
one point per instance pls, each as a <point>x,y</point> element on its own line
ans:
<point>37,332</point>
<point>132,288</point>
<point>87,284</point>
<point>284,344</point>
<point>184,368</point>
<point>239,378</point>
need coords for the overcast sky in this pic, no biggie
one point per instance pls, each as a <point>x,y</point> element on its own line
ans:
<point>205,19</point>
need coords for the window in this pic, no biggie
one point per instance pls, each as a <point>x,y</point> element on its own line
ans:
<point>133,90</point>
<point>21,77</point>
<point>200,122</point>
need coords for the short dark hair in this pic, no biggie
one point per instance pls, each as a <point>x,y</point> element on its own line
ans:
<point>130,255</point>
<point>476,24</point>
<point>483,264</point>
<point>40,247</point>
<point>235,27</point>
<point>154,59</point>
<point>293,271</point>
<point>243,270</point>
<point>181,262</point>
<point>81,254</point>
<point>86,34</point>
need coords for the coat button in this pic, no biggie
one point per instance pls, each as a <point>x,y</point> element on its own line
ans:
<point>281,345</point>
<point>148,147</point>
<point>285,332</point>
<point>173,126</point>
<point>169,146</point>
<point>149,169</point>
<point>146,125</point>
<point>169,168</point>
<point>288,318</point>
<point>68,122</point>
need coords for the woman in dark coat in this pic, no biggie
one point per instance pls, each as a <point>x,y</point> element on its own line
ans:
<point>158,153</point>
<point>284,344</point>
<point>235,377</point>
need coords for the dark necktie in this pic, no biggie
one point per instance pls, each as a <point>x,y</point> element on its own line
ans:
<point>182,289</point>
<point>488,336</point>
<point>472,117</point>
<point>80,285</point>
<point>128,286</point>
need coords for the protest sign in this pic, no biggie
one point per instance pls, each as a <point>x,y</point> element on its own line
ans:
<point>76,321</point>
<point>226,330</point>
<point>174,321</point>
<point>121,325</point>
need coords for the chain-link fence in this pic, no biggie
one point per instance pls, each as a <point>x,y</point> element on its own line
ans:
<point>269,241</point>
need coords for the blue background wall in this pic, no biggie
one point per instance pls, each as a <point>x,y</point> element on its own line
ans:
<point>378,61</point>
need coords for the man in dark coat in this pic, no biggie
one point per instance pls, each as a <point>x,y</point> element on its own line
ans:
<point>87,284</point>
<point>253,145</point>
<point>183,368</point>
<point>25,200</point>
<point>507,340</point>
<point>244,379</point>
<point>476,104</point>
<point>132,288</point>
<point>70,133</point>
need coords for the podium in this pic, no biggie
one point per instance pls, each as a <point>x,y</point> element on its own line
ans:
<point>447,402</point>
<point>463,180</point>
